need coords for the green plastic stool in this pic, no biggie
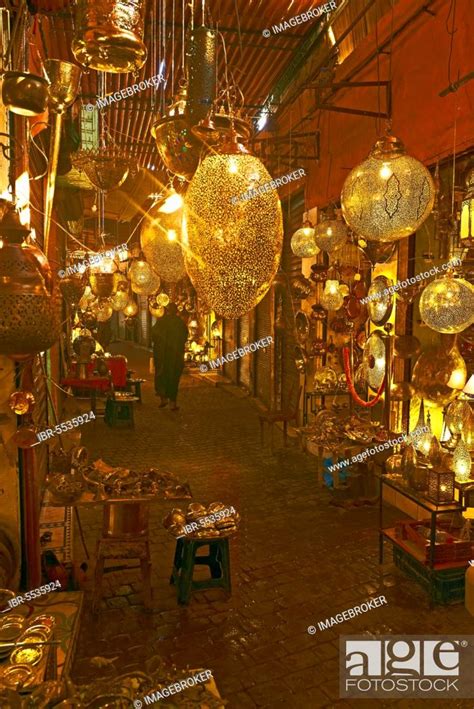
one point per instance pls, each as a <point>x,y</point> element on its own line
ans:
<point>185,558</point>
<point>119,413</point>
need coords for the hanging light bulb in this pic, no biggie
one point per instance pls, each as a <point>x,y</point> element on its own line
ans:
<point>331,234</point>
<point>389,195</point>
<point>232,237</point>
<point>172,203</point>
<point>462,462</point>
<point>302,241</point>
<point>447,304</point>
<point>332,298</point>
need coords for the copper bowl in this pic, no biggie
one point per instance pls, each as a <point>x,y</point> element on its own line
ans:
<point>24,93</point>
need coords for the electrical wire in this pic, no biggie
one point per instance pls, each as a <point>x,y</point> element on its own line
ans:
<point>452,32</point>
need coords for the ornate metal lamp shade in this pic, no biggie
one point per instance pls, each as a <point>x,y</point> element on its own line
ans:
<point>232,245</point>
<point>441,486</point>
<point>109,35</point>
<point>160,239</point>
<point>151,286</point>
<point>103,310</point>
<point>331,234</point>
<point>106,168</point>
<point>302,242</point>
<point>389,195</point>
<point>435,372</point>
<point>447,305</point>
<point>119,300</point>
<point>467,209</point>
<point>131,309</point>
<point>462,462</point>
<point>29,304</point>
<point>332,298</point>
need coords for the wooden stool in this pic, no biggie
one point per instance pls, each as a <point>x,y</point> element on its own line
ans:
<point>185,558</point>
<point>119,413</point>
<point>124,536</point>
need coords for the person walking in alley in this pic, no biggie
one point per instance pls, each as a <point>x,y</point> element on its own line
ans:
<point>169,335</point>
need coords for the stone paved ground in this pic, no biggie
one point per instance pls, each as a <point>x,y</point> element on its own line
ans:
<point>295,560</point>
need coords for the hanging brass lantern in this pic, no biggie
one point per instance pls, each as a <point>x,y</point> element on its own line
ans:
<point>102,284</point>
<point>131,309</point>
<point>72,288</point>
<point>151,286</point>
<point>447,305</point>
<point>232,243</point>
<point>103,310</point>
<point>21,402</point>
<point>109,35</point>
<point>331,233</point>
<point>439,374</point>
<point>462,462</point>
<point>106,167</point>
<point>119,300</point>
<point>178,147</point>
<point>160,240</point>
<point>467,210</point>
<point>332,298</point>
<point>29,305</point>
<point>389,195</point>
<point>155,308</point>
<point>302,242</point>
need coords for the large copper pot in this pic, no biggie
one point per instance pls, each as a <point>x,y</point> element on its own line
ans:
<point>24,93</point>
<point>109,35</point>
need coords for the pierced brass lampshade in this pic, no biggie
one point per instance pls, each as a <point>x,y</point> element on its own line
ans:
<point>160,240</point>
<point>447,305</point>
<point>330,234</point>
<point>131,309</point>
<point>109,35</point>
<point>232,245</point>
<point>389,195</point>
<point>107,168</point>
<point>302,242</point>
<point>332,298</point>
<point>30,305</point>
<point>119,300</point>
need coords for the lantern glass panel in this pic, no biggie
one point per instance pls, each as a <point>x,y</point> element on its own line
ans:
<point>441,486</point>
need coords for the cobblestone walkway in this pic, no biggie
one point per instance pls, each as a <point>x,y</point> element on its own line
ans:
<point>295,561</point>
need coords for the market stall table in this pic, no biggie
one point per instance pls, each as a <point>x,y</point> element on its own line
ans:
<point>92,384</point>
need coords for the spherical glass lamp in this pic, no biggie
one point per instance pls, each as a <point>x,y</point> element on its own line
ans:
<point>119,300</point>
<point>332,298</point>
<point>151,286</point>
<point>232,231</point>
<point>389,195</point>
<point>140,272</point>
<point>103,310</point>
<point>163,299</point>
<point>447,305</point>
<point>331,234</point>
<point>131,309</point>
<point>302,242</point>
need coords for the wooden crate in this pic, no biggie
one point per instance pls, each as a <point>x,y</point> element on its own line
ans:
<point>454,550</point>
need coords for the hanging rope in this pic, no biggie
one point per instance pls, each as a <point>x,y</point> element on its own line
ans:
<point>350,383</point>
